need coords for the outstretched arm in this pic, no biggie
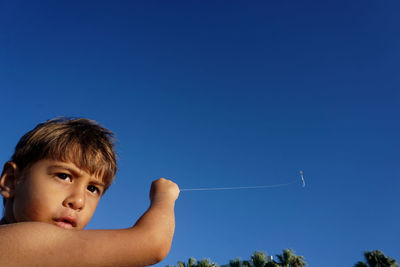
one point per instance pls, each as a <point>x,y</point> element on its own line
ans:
<point>146,243</point>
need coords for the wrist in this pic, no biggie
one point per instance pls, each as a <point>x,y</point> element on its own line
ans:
<point>163,200</point>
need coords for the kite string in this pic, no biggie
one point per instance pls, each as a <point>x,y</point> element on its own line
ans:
<point>246,187</point>
<point>236,188</point>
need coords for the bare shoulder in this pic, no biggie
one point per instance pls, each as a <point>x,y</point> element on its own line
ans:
<point>35,243</point>
<point>42,244</point>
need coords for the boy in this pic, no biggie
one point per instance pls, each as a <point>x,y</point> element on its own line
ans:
<point>51,187</point>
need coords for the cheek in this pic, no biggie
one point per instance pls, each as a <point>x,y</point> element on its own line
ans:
<point>30,209</point>
<point>33,205</point>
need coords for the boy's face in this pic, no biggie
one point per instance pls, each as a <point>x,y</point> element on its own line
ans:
<point>58,193</point>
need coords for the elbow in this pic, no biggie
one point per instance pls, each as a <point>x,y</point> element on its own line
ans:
<point>160,252</point>
<point>161,248</point>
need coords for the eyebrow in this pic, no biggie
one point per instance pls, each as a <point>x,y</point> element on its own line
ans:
<point>97,183</point>
<point>75,172</point>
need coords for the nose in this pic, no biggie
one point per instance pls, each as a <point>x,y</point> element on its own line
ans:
<point>75,199</point>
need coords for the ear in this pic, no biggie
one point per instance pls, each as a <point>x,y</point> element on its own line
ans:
<point>8,179</point>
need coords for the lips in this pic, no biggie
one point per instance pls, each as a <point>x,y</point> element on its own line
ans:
<point>67,222</point>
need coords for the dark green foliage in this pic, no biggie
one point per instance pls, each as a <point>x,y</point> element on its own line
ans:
<point>289,259</point>
<point>191,262</point>
<point>259,259</point>
<point>206,263</point>
<point>235,263</point>
<point>272,264</point>
<point>376,258</point>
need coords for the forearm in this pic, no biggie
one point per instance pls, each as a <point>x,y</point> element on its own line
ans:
<point>158,222</point>
<point>146,243</point>
<point>149,240</point>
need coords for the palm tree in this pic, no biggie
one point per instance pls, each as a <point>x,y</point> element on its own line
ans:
<point>206,263</point>
<point>259,259</point>
<point>272,264</point>
<point>235,263</point>
<point>289,259</point>
<point>191,262</point>
<point>376,258</point>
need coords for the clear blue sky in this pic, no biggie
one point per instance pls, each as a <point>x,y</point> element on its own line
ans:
<point>225,93</point>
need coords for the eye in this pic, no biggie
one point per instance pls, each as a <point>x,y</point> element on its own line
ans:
<point>64,176</point>
<point>94,189</point>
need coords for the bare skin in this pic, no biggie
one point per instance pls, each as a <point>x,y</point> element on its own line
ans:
<point>47,210</point>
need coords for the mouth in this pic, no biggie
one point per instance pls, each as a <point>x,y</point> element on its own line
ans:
<point>65,222</point>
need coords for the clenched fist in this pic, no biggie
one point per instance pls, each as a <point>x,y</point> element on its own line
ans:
<point>163,190</point>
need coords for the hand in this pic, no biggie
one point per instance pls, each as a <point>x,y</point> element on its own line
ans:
<point>163,190</point>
